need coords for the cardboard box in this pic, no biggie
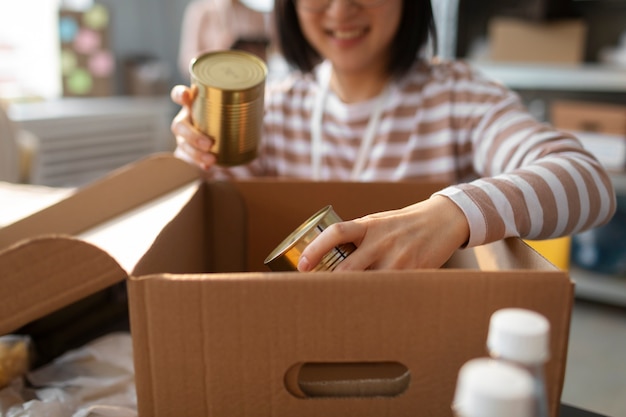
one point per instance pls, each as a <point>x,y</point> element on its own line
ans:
<point>216,334</point>
<point>518,40</point>
<point>593,117</point>
<point>534,9</point>
<point>601,127</point>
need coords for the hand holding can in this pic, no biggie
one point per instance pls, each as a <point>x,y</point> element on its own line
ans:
<point>228,95</point>
<point>286,255</point>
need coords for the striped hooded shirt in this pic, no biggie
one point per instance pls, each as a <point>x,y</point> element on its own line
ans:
<point>510,174</point>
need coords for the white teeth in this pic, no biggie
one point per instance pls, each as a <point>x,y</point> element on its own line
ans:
<point>347,34</point>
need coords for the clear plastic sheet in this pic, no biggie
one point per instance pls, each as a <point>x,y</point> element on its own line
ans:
<point>96,380</point>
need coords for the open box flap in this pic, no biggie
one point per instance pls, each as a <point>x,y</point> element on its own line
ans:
<point>222,344</point>
<point>111,196</point>
<point>45,274</point>
<point>46,259</point>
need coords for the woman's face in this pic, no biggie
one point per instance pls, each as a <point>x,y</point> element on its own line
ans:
<point>354,38</point>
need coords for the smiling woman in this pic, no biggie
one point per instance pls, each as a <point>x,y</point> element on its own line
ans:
<point>358,45</point>
<point>367,102</point>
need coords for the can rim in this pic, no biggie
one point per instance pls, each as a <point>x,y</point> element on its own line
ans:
<point>294,237</point>
<point>232,52</point>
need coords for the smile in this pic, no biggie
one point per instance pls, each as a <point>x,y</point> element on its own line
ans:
<point>347,34</point>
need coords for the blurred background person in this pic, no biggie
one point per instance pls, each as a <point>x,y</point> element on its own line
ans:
<point>211,25</point>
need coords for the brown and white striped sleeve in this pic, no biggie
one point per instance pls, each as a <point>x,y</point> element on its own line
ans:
<point>535,181</point>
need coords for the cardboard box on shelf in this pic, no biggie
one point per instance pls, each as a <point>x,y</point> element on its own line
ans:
<point>538,10</point>
<point>586,116</point>
<point>215,333</point>
<point>555,42</point>
<point>601,127</point>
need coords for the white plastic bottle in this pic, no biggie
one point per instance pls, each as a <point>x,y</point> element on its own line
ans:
<point>521,337</point>
<point>490,388</point>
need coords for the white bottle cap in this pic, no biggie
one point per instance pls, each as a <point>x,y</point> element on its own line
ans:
<point>519,335</point>
<point>490,388</point>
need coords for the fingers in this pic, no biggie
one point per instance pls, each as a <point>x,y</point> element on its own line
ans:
<point>335,235</point>
<point>181,95</point>
<point>423,235</point>
<point>192,145</point>
<point>185,132</point>
<point>185,150</point>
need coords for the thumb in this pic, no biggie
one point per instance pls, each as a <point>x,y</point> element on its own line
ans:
<point>181,95</point>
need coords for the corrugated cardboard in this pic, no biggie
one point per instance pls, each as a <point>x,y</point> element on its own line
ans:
<point>518,40</point>
<point>216,334</point>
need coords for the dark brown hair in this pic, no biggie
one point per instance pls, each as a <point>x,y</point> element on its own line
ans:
<point>416,24</point>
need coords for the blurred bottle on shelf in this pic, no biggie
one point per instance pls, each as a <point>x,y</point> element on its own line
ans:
<point>491,388</point>
<point>521,337</point>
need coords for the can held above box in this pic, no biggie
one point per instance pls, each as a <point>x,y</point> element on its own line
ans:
<point>229,88</point>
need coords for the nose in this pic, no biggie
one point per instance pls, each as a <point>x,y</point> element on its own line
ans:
<point>341,7</point>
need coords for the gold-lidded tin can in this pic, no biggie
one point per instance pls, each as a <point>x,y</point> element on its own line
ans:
<point>229,88</point>
<point>286,255</point>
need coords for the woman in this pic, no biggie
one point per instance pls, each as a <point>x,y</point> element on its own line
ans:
<point>365,105</point>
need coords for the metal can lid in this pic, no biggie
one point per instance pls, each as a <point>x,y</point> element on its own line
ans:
<point>229,70</point>
<point>286,255</point>
<point>304,234</point>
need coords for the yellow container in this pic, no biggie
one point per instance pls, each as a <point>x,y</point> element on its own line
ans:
<point>556,250</point>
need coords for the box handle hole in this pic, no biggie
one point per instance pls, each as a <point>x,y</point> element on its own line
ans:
<point>347,379</point>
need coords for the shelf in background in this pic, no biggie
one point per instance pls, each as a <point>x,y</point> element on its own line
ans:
<point>598,287</point>
<point>619,182</point>
<point>593,286</point>
<point>80,139</point>
<point>584,77</point>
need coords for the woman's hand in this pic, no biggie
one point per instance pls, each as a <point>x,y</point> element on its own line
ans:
<point>423,235</point>
<point>191,144</point>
